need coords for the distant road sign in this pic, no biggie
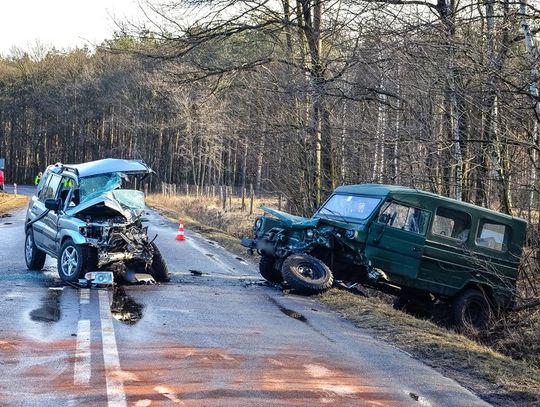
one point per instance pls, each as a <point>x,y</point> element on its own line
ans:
<point>2,163</point>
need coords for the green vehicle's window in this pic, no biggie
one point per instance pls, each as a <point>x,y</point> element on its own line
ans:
<point>349,206</point>
<point>405,218</point>
<point>451,223</point>
<point>492,235</point>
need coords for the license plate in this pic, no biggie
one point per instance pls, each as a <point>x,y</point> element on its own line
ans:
<point>100,277</point>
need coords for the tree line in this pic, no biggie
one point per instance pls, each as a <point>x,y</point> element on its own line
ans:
<point>297,97</point>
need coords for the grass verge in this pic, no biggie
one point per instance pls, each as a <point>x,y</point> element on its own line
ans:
<point>9,202</point>
<point>493,376</point>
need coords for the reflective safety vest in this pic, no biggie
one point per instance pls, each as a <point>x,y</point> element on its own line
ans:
<point>36,181</point>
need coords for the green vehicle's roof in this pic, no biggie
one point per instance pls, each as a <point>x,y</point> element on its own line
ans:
<point>415,196</point>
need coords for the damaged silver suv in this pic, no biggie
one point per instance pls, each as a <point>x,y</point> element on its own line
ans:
<point>89,217</point>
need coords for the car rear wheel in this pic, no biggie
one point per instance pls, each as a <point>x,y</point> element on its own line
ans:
<point>35,258</point>
<point>307,274</point>
<point>73,261</point>
<point>471,311</point>
<point>268,271</point>
<point>159,269</point>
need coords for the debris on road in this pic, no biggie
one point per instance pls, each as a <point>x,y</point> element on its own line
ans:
<point>196,272</point>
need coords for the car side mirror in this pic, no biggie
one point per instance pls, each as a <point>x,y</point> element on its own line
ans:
<point>53,204</point>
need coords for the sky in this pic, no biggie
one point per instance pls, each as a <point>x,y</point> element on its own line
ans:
<point>60,23</point>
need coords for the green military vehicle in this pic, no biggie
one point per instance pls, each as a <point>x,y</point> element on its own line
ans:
<point>432,252</point>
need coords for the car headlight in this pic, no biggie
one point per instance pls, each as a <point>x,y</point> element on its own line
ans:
<point>258,224</point>
<point>310,233</point>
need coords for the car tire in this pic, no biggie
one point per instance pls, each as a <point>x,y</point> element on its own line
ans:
<point>35,258</point>
<point>73,261</point>
<point>268,271</point>
<point>159,269</point>
<point>307,274</point>
<point>471,311</point>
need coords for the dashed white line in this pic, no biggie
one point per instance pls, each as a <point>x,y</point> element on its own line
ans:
<point>213,257</point>
<point>85,296</point>
<point>115,386</point>
<point>82,371</point>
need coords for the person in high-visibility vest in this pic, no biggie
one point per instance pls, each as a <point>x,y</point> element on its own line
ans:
<point>38,178</point>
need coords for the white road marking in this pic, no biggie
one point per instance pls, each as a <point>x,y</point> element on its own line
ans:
<point>115,385</point>
<point>85,295</point>
<point>213,257</point>
<point>82,372</point>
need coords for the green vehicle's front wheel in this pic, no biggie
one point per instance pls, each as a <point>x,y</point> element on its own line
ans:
<point>268,271</point>
<point>307,274</point>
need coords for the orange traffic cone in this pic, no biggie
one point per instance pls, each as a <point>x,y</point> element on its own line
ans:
<point>180,235</point>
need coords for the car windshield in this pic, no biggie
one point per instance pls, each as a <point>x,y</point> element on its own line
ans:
<point>348,207</point>
<point>92,187</point>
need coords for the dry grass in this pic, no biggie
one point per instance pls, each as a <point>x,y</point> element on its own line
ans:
<point>206,215</point>
<point>497,378</point>
<point>9,202</point>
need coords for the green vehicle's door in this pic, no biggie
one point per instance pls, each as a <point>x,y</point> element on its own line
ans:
<point>396,239</point>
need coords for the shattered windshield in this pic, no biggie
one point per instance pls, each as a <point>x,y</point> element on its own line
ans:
<point>349,207</point>
<point>92,187</point>
<point>130,198</point>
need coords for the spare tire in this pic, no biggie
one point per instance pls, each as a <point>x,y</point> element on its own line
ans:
<point>307,274</point>
<point>268,271</point>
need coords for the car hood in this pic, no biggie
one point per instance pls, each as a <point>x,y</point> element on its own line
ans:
<point>291,221</point>
<point>107,199</point>
<point>299,222</point>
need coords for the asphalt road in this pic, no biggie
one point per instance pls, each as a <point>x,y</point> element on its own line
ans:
<point>221,338</point>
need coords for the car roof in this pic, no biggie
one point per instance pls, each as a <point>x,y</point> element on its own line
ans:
<point>109,165</point>
<point>416,196</point>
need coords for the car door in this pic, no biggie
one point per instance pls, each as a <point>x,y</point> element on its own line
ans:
<point>37,208</point>
<point>396,239</point>
<point>48,225</point>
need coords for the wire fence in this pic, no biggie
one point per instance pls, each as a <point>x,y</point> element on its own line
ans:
<point>227,194</point>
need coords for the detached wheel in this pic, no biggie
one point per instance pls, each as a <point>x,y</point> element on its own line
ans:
<point>268,271</point>
<point>73,261</point>
<point>35,258</point>
<point>471,311</point>
<point>307,274</point>
<point>159,271</point>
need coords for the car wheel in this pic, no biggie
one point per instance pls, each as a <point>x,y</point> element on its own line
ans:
<point>35,258</point>
<point>471,311</point>
<point>268,271</point>
<point>159,271</point>
<point>73,261</point>
<point>307,274</point>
